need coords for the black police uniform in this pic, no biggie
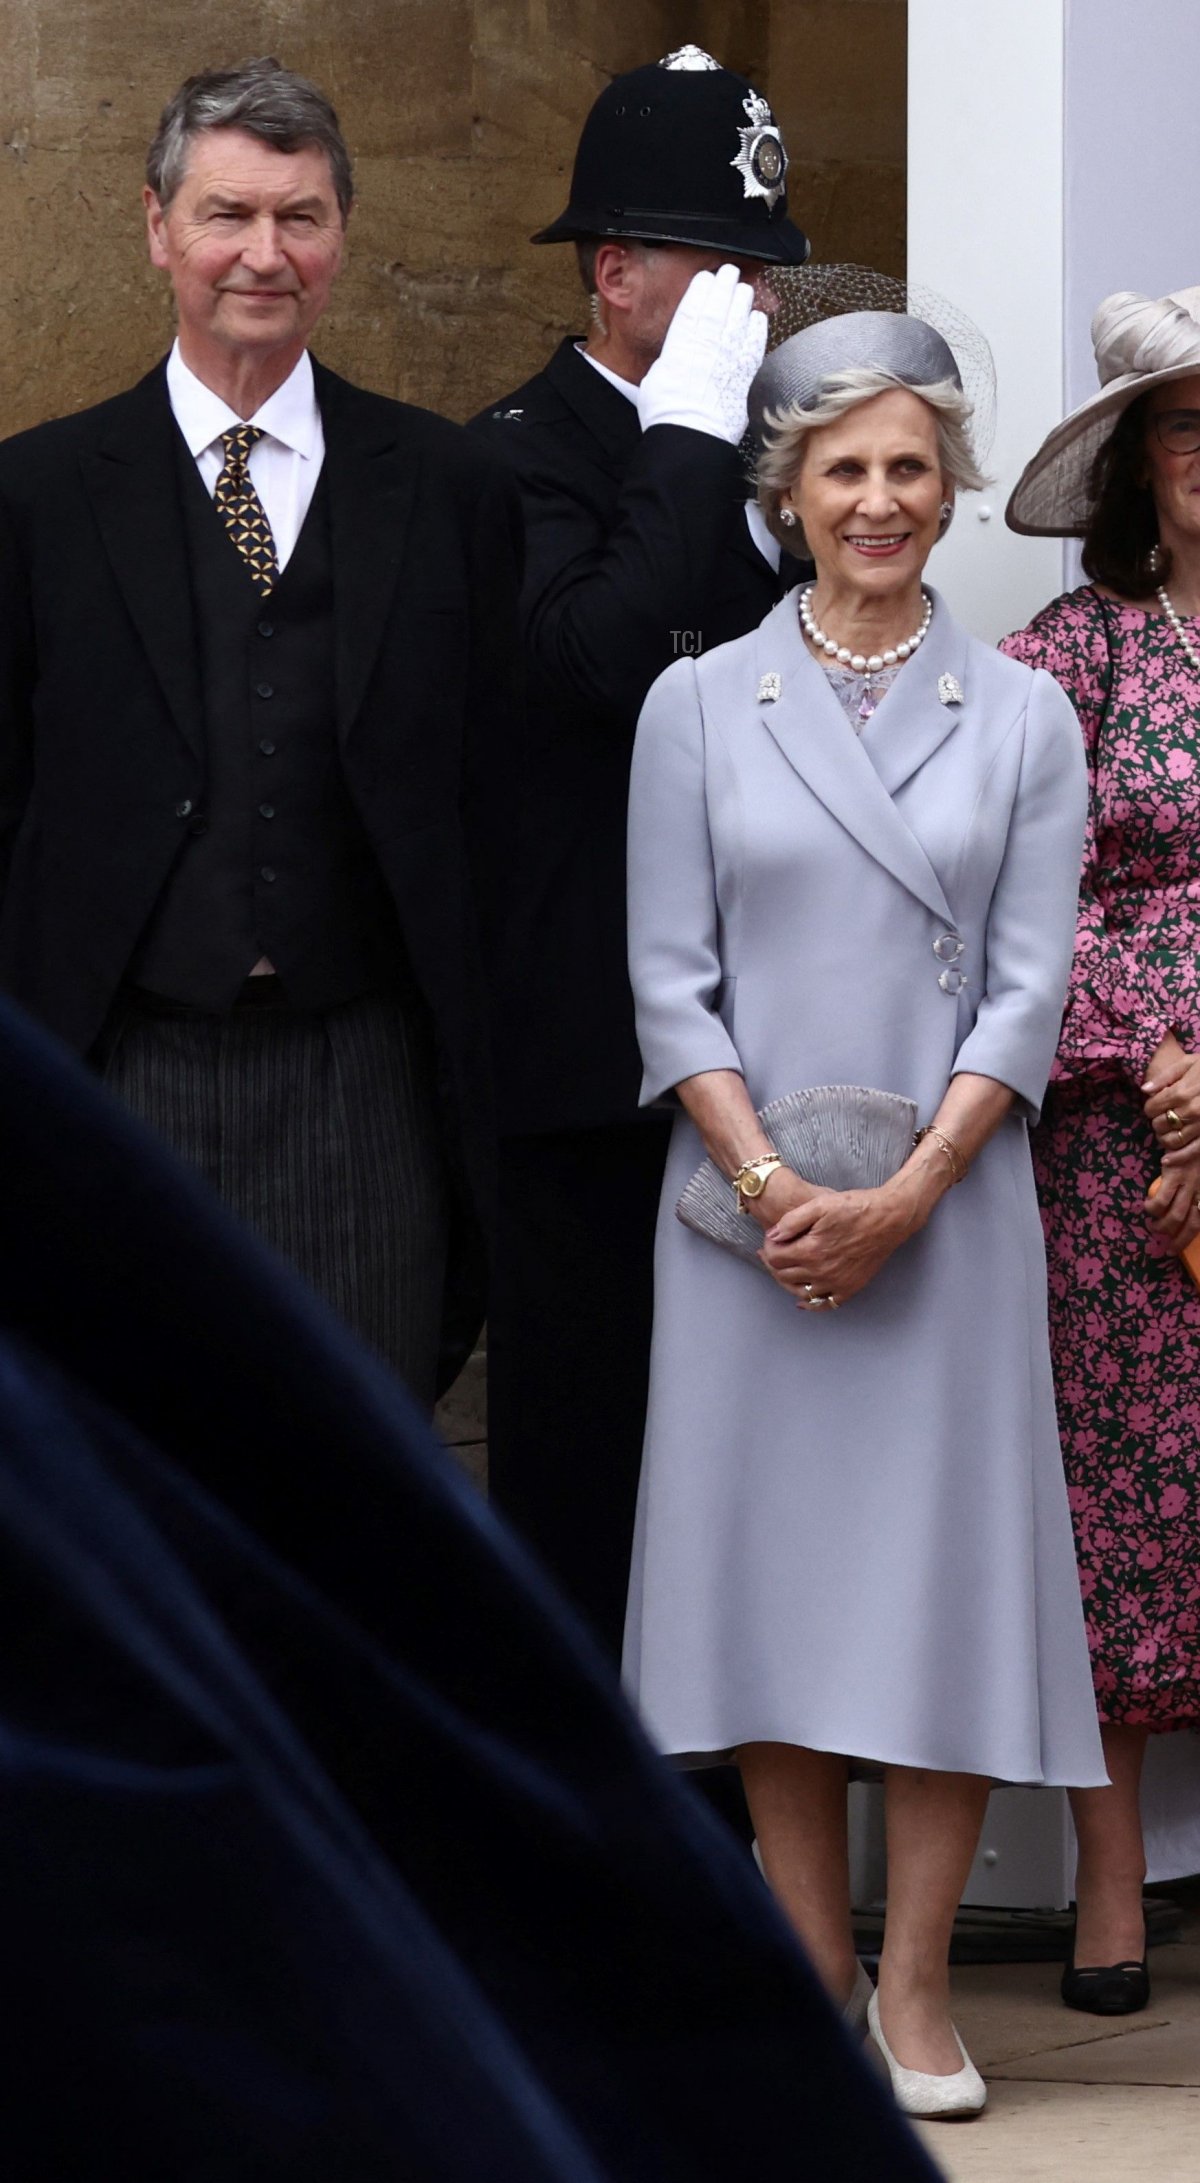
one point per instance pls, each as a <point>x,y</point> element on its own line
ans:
<point>637,552</point>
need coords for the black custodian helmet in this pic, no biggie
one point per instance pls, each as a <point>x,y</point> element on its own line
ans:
<point>682,151</point>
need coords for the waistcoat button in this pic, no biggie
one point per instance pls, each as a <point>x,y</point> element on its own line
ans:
<point>267,872</point>
<point>263,689</point>
<point>184,810</point>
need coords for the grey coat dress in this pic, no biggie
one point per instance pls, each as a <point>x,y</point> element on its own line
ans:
<point>852,1528</point>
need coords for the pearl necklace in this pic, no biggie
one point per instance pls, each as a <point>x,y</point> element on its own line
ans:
<point>869,664</point>
<point>1190,653</point>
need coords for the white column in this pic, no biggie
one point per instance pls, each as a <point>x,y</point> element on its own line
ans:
<point>985,226</point>
<point>1053,157</point>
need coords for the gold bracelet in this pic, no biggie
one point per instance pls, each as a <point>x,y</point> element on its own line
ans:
<point>958,1165</point>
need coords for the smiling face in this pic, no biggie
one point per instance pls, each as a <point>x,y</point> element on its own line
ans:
<point>1172,448</point>
<point>252,241</point>
<point>869,492</point>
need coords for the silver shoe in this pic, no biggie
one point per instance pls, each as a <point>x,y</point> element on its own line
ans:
<point>938,2099</point>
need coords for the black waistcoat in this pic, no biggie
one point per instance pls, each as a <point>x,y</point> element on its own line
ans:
<point>275,861</point>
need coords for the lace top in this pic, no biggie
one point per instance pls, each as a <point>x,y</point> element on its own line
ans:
<point>858,695</point>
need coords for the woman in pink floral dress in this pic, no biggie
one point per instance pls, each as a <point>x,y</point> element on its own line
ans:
<point>1124,472</point>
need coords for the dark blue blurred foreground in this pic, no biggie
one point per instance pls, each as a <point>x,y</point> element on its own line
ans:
<point>329,1851</point>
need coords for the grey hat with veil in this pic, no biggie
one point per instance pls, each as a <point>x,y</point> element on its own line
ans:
<point>835,318</point>
<point>1140,343</point>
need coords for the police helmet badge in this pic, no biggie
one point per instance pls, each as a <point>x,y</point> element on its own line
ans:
<point>762,159</point>
<point>691,58</point>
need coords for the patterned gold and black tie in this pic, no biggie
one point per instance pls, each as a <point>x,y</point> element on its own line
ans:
<point>242,511</point>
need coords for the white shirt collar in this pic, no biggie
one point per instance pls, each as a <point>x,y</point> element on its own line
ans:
<point>290,415</point>
<point>623,386</point>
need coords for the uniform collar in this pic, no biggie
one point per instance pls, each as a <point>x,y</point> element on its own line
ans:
<point>290,415</point>
<point>623,386</point>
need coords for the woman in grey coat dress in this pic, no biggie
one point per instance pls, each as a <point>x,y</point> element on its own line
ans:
<point>854,842</point>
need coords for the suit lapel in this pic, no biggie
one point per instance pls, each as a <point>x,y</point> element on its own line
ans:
<point>372,490</point>
<point>812,731</point>
<point>606,414</point>
<point>131,481</point>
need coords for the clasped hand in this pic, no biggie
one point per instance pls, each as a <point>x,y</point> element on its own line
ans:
<point>831,1243</point>
<point>1172,1108</point>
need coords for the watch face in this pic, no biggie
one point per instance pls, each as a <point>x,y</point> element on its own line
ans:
<point>753,1184</point>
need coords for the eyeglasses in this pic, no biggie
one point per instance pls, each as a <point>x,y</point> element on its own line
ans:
<point>1178,430</point>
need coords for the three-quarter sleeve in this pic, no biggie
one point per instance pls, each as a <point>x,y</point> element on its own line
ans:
<point>675,962</point>
<point>1031,918</point>
<point>1119,1009</point>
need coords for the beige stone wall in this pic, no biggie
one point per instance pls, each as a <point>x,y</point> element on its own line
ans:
<point>462,115</point>
<point>838,72</point>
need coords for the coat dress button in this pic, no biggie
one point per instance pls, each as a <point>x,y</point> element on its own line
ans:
<point>952,981</point>
<point>947,947</point>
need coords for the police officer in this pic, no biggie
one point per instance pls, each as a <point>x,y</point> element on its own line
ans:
<point>641,547</point>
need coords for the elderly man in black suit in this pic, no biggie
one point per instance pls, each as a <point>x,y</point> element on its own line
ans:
<point>641,546</point>
<point>257,691</point>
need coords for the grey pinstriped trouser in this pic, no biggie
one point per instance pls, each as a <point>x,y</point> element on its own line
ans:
<point>320,1131</point>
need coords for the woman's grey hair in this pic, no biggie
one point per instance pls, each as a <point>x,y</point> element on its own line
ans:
<point>263,98</point>
<point>787,431</point>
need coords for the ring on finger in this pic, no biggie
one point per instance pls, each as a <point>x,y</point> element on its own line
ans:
<point>1173,1118</point>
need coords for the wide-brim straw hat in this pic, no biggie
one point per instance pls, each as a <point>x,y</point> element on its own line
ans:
<point>1140,343</point>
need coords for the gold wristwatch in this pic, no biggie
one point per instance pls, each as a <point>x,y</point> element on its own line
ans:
<point>752,1178</point>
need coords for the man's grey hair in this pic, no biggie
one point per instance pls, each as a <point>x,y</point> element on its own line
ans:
<point>263,98</point>
<point>787,432</point>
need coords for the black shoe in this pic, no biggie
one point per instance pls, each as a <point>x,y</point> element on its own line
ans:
<point>1108,1989</point>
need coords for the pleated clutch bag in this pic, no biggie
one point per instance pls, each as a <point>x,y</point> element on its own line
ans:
<point>843,1136</point>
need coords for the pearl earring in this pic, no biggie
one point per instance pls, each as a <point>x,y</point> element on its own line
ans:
<point>945,517</point>
<point>1155,559</point>
<point>787,517</point>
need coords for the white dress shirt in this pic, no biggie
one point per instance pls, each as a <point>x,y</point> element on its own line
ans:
<point>284,465</point>
<point>756,522</point>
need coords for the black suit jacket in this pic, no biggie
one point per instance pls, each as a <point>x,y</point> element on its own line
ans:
<point>636,552</point>
<point>102,762</point>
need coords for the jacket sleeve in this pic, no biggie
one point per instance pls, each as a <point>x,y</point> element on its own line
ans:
<point>1031,918</point>
<point>607,609</point>
<point>675,962</point>
<point>17,669</point>
<point>1119,1008</point>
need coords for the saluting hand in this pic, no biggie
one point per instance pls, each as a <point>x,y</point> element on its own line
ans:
<point>713,347</point>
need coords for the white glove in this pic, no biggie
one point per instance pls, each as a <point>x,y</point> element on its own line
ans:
<point>714,345</point>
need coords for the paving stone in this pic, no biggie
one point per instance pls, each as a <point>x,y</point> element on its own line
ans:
<point>1052,2133</point>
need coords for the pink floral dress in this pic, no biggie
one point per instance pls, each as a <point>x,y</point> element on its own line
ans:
<point>1124,1317</point>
